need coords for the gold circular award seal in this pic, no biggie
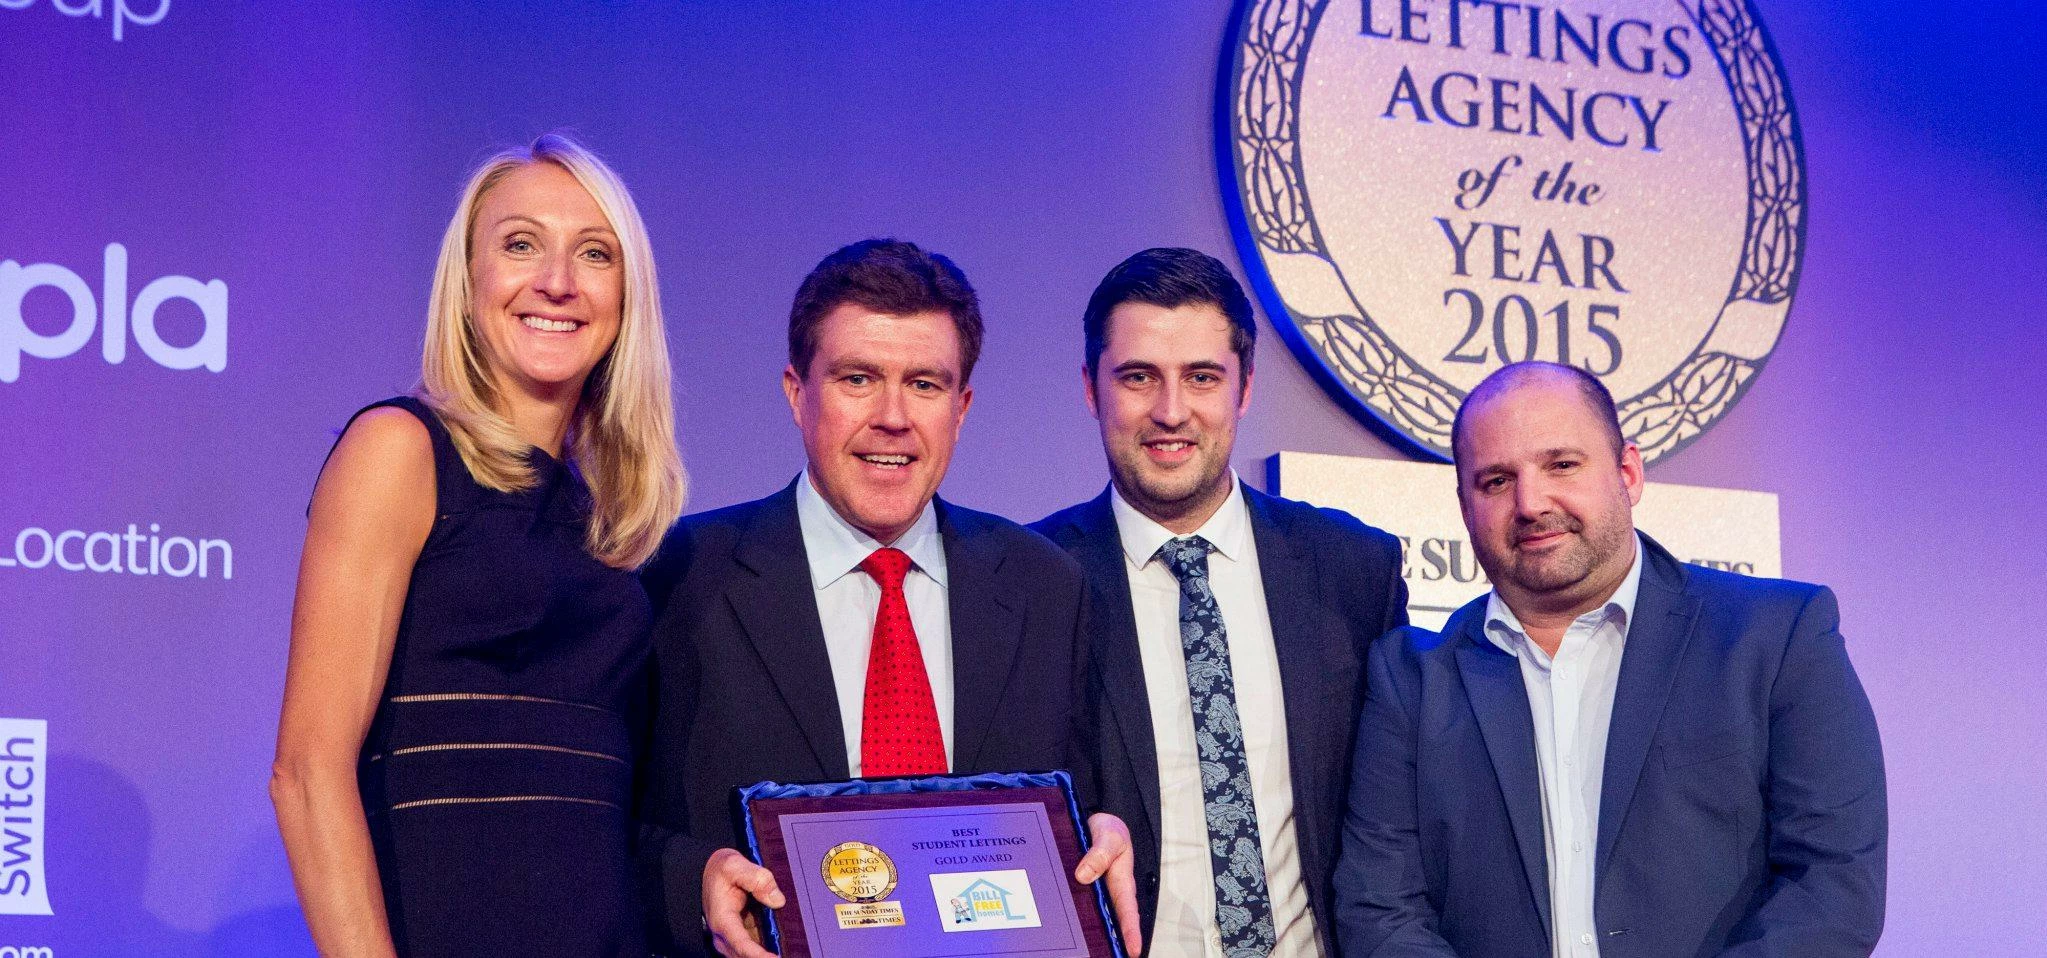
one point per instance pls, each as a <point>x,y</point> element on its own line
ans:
<point>859,872</point>
<point>1425,190</point>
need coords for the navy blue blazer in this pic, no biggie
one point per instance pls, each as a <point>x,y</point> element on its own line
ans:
<point>1742,811</point>
<point>743,685</point>
<point>1332,586</point>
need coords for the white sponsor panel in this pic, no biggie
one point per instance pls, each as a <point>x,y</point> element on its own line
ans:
<point>985,901</point>
<point>24,753</point>
<point>1731,529</point>
<point>112,313</point>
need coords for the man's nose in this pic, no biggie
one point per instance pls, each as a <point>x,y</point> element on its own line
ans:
<point>1531,497</point>
<point>893,412</point>
<point>1169,406</point>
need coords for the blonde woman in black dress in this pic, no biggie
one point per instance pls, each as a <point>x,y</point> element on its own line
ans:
<point>454,758</point>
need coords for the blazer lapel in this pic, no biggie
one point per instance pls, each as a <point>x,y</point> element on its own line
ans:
<point>777,608</point>
<point>1116,655</point>
<point>1314,676</point>
<point>1655,647</point>
<point>987,628</point>
<point>1492,681</point>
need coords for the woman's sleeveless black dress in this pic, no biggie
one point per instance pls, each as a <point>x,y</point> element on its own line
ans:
<point>497,773</point>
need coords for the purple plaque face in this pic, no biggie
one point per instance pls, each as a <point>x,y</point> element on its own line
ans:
<point>929,875</point>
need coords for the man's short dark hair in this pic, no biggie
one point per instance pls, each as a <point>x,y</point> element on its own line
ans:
<point>1169,278</point>
<point>893,278</point>
<point>1597,398</point>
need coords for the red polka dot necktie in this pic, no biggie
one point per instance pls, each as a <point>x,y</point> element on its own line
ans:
<point>899,732</point>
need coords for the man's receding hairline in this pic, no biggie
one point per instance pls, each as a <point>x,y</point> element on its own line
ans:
<point>1520,375</point>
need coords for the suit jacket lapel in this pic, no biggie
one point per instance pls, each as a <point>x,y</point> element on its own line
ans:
<point>1662,627</point>
<point>1313,674</point>
<point>1492,681</point>
<point>777,608</point>
<point>1116,655</point>
<point>987,628</point>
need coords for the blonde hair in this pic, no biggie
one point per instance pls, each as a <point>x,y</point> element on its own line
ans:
<point>622,435</point>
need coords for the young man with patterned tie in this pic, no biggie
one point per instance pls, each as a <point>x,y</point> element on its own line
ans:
<point>853,624</point>
<point>1230,627</point>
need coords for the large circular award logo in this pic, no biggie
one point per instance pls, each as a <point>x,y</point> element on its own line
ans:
<point>1426,190</point>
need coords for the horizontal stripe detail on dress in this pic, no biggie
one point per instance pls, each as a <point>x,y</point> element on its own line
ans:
<point>490,697</point>
<point>502,798</point>
<point>466,746</point>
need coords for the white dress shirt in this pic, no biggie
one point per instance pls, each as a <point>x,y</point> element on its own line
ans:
<point>1570,698</point>
<point>848,600</point>
<point>1186,914</point>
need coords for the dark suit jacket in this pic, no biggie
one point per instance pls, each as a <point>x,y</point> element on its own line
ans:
<point>1332,586</point>
<point>1742,810</point>
<point>743,685</point>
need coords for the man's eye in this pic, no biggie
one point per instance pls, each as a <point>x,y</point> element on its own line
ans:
<point>857,379</point>
<point>1136,379</point>
<point>923,385</point>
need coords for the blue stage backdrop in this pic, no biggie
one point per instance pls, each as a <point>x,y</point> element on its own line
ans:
<point>217,221</point>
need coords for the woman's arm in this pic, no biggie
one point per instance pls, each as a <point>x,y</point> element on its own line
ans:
<point>371,513</point>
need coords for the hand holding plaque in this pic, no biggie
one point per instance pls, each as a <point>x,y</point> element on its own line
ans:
<point>928,867</point>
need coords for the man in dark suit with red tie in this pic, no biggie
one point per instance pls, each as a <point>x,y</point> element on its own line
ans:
<point>1231,626</point>
<point>853,624</point>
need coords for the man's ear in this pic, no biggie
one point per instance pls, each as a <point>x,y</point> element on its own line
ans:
<point>1633,473</point>
<point>792,388</point>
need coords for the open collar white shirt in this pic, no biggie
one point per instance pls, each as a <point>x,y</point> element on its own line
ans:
<point>848,599</point>
<point>1570,699</point>
<point>1186,911</point>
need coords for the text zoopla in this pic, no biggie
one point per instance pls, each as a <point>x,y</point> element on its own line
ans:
<point>113,313</point>
<point>96,9</point>
<point>75,550</point>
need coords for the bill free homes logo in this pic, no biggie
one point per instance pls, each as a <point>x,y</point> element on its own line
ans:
<point>985,901</point>
<point>24,747</point>
<point>111,313</point>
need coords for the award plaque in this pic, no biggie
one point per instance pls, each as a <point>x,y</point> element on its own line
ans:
<point>931,867</point>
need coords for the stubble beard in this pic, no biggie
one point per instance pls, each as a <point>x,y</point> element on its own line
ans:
<point>1175,494</point>
<point>1556,574</point>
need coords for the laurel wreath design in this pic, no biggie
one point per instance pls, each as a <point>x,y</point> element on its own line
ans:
<point>1673,412</point>
<point>1374,370</point>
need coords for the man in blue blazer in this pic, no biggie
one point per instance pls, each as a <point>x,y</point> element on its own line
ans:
<point>1224,746</point>
<point>1613,753</point>
<point>854,624</point>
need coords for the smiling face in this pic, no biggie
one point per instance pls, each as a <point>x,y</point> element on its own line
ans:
<point>1168,391</point>
<point>1548,506</point>
<point>880,409</point>
<point>546,281</point>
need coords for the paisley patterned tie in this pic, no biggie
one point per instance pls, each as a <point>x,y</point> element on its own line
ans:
<point>1243,908</point>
